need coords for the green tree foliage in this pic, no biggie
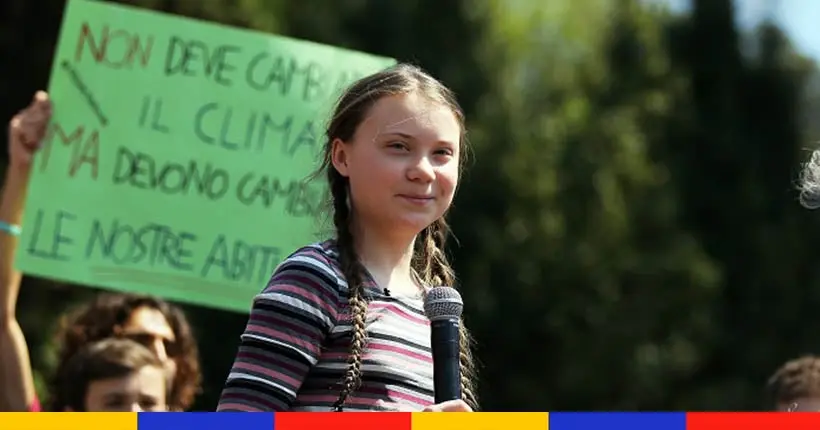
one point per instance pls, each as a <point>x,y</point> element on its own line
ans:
<point>735,160</point>
<point>576,265</point>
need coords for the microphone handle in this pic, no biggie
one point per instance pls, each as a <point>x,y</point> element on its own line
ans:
<point>444,339</point>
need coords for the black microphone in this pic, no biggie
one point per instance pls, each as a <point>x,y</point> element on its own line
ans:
<point>443,306</point>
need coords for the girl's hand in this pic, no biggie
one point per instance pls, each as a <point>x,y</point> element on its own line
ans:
<point>449,406</point>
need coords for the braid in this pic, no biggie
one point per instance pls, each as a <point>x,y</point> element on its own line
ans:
<point>467,367</point>
<point>434,268</point>
<point>351,268</point>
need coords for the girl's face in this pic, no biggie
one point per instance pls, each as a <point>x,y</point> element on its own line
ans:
<point>402,163</point>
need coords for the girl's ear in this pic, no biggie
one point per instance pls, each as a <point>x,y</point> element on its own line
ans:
<point>338,156</point>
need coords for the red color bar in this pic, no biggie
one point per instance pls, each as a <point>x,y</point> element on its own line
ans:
<point>342,420</point>
<point>752,421</point>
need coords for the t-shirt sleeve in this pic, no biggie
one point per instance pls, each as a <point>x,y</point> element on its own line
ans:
<point>288,323</point>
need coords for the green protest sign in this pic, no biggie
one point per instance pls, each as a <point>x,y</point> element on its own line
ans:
<point>176,158</point>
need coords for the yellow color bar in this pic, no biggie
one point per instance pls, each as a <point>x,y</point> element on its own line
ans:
<point>480,421</point>
<point>68,420</point>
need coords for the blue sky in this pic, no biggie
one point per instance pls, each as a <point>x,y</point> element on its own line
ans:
<point>800,19</point>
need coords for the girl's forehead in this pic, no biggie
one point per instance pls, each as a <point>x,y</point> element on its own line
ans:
<point>412,114</point>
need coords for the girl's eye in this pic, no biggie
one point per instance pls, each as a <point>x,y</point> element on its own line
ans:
<point>397,145</point>
<point>445,151</point>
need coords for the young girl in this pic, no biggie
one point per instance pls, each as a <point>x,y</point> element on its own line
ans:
<point>340,325</point>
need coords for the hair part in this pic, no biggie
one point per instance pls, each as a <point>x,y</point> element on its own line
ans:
<point>796,379</point>
<point>429,261</point>
<point>99,319</point>
<point>106,359</point>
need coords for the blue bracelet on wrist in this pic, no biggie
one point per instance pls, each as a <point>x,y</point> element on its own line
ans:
<point>11,229</point>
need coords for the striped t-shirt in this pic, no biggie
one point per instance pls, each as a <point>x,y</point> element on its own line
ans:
<point>294,351</point>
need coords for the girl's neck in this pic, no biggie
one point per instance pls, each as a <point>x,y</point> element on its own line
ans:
<point>388,259</point>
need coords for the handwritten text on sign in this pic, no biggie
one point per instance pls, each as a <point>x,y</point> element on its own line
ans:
<point>176,159</point>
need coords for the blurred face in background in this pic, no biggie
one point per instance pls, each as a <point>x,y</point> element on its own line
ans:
<point>142,390</point>
<point>149,327</point>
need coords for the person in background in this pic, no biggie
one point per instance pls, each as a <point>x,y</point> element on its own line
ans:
<point>340,325</point>
<point>158,325</point>
<point>809,185</point>
<point>795,386</point>
<point>154,323</point>
<point>112,375</point>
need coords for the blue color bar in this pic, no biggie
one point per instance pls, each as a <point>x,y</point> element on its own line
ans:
<point>616,421</point>
<point>204,421</point>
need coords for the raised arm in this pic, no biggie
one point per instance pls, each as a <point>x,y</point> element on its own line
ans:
<point>288,324</point>
<point>26,132</point>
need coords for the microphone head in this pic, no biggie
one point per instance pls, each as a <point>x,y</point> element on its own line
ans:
<point>443,303</point>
